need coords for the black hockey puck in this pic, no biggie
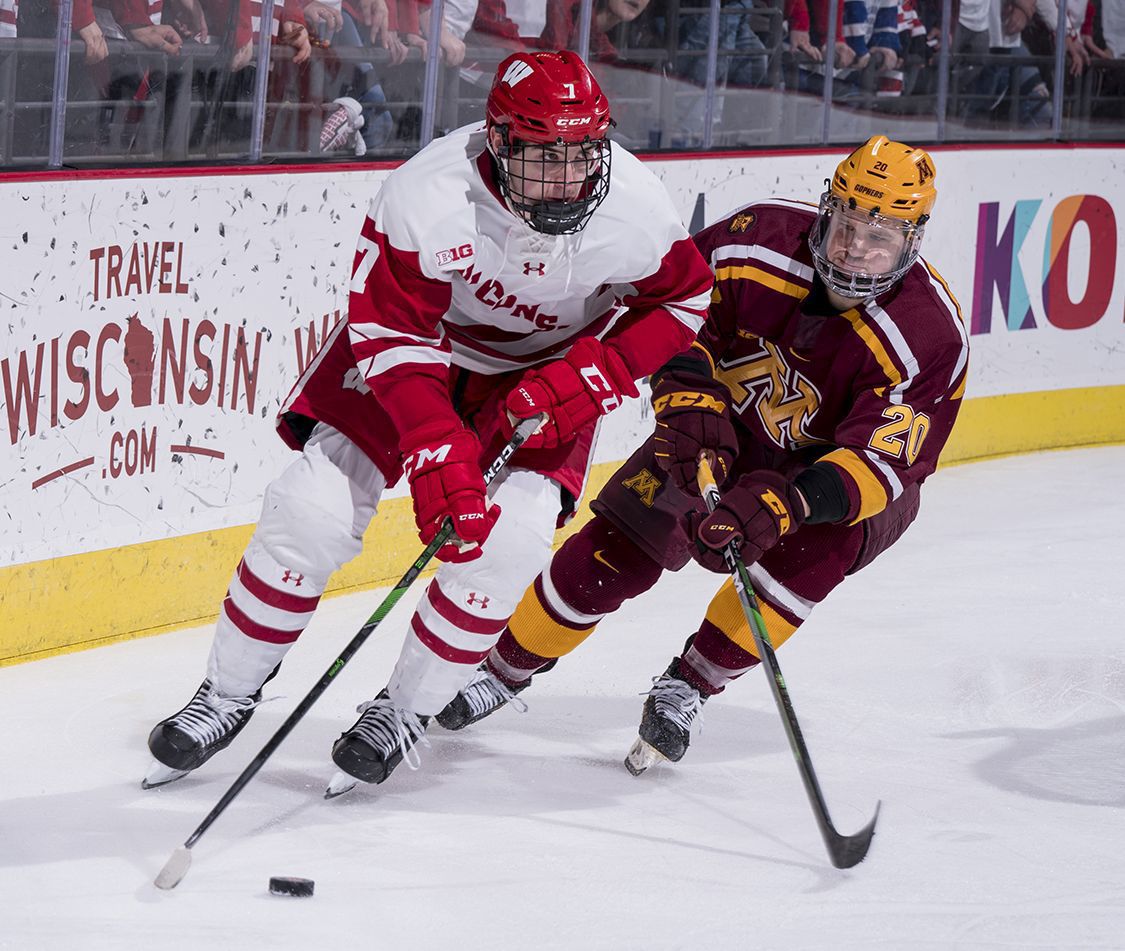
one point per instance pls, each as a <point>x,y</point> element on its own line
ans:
<point>292,887</point>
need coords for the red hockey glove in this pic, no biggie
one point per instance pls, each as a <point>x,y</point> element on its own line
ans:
<point>761,508</point>
<point>446,480</point>
<point>585,384</point>
<point>692,416</point>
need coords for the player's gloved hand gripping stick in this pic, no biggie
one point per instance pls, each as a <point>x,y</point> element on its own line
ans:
<point>180,861</point>
<point>844,850</point>
<point>590,381</point>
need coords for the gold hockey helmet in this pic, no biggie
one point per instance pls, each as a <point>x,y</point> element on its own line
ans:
<point>888,178</point>
<point>868,232</point>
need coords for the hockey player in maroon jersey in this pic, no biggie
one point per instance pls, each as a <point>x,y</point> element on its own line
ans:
<point>824,385</point>
<point>522,265</point>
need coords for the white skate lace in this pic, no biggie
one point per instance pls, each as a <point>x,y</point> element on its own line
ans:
<point>385,726</point>
<point>676,700</point>
<point>209,716</point>
<point>485,693</point>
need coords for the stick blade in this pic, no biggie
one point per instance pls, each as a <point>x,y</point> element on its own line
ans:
<point>174,869</point>
<point>847,851</point>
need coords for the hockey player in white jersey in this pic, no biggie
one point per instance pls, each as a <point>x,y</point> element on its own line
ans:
<point>520,266</point>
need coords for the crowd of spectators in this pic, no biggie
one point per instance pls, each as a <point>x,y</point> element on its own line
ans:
<point>344,76</point>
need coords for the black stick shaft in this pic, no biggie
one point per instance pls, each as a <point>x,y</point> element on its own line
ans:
<point>844,851</point>
<point>523,431</point>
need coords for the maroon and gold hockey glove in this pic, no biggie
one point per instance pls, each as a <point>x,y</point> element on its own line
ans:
<point>692,416</point>
<point>761,508</point>
<point>446,480</point>
<point>585,384</point>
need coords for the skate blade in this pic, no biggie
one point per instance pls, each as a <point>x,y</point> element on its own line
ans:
<point>161,775</point>
<point>641,756</point>
<point>340,784</point>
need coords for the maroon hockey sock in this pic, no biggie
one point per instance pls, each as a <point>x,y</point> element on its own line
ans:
<point>711,660</point>
<point>592,575</point>
<point>511,663</point>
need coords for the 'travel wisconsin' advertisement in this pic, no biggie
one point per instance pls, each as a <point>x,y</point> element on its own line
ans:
<point>152,328</point>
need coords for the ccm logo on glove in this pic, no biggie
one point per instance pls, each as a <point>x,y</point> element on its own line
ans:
<point>761,508</point>
<point>446,482</point>
<point>573,391</point>
<point>425,457</point>
<point>778,508</point>
<point>692,419</point>
<point>599,384</point>
<point>689,400</point>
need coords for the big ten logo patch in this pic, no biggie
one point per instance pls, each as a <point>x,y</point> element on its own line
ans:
<point>451,255</point>
<point>645,484</point>
<point>783,398</point>
<point>1087,265</point>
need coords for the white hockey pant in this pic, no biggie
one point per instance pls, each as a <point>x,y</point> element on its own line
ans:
<point>313,519</point>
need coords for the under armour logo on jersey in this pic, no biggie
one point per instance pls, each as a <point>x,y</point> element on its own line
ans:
<point>539,268</point>
<point>295,577</point>
<point>473,599</point>
<point>517,72</point>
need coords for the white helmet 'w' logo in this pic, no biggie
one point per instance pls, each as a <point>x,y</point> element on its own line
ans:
<point>517,72</point>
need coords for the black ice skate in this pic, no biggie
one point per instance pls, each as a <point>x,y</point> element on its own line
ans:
<point>669,712</point>
<point>375,744</point>
<point>187,739</point>
<point>483,696</point>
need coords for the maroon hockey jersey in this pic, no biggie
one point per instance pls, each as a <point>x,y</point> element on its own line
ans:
<point>877,386</point>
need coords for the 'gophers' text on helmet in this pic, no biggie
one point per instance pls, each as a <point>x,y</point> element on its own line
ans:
<point>869,229</point>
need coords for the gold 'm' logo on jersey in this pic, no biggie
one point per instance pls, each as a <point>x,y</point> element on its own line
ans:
<point>645,484</point>
<point>783,397</point>
<point>741,223</point>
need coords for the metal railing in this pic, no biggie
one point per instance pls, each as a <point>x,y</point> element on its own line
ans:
<point>142,107</point>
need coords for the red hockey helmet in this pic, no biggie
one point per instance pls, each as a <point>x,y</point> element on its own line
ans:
<point>547,124</point>
<point>548,97</point>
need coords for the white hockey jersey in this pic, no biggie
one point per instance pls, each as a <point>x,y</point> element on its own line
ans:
<point>445,275</point>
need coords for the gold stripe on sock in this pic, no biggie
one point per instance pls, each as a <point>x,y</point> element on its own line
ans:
<point>536,631</point>
<point>725,612</point>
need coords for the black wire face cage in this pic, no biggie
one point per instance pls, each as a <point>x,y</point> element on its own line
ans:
<point>556,187</point>
<point>854,284</point>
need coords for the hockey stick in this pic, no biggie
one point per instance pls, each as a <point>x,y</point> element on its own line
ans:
<point>844,850</point>
<point>178,864</point>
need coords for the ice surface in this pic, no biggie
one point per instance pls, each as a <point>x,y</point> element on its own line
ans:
<point>973,679</point>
